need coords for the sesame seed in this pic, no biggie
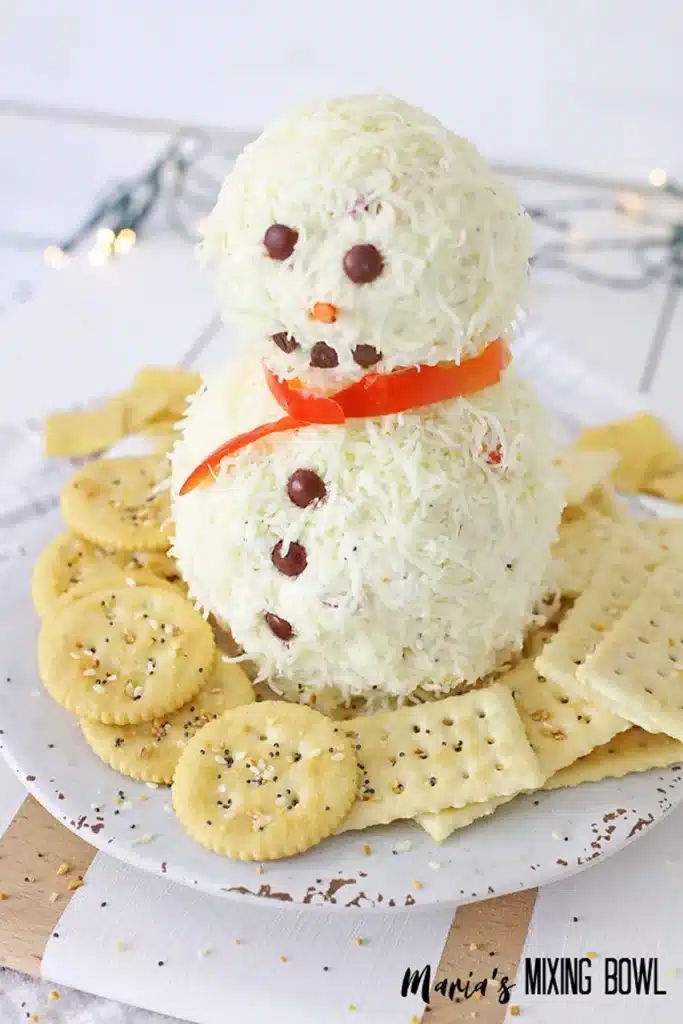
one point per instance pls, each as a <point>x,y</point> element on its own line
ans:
<point>403,846</point>
<point>473,947</point>
<point>63,868</point>
<point>433,864</point>
<point>54,896</point>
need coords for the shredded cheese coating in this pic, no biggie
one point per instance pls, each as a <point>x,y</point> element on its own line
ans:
<point>424,560</point>
<point>367,169</point>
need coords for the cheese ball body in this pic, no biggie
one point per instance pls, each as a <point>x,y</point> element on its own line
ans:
<point>373,557</point>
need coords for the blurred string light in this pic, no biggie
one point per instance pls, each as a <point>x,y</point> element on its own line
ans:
<point>174,181</point>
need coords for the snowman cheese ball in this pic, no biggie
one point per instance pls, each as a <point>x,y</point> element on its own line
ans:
<point>367,496</point>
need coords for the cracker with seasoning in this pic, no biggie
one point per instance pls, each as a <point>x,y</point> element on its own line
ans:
<point>150,751</point>
<point>265,781</point>
<point>120,503</point>
<point>125,656</point>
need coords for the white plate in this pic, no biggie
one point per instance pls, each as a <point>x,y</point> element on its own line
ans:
<point>532,841</point>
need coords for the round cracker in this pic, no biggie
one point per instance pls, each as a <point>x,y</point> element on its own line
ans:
<point>125,656</point>
<point>69,559</point>
<point>110,576</point>
<point>150,751</point>
<point>120,503</point>
<point>264,781</point>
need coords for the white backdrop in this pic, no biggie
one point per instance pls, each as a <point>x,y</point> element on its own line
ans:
<point>585,84</point>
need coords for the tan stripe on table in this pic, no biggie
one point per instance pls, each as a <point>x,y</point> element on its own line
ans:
<point>483,936</point>
<point>31,851</point>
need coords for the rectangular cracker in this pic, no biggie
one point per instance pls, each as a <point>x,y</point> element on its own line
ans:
<point>173,381</point>
<point>440,826</point>
<point>631,751</point>
<point>669,487</point>
<point>462,750</point>
<point>638,667</point>
<point>666,534</point>
<point>583,471</point>
<point>561,722</point>
<point>78,434</point>
<point>581,546</point>
<point>647,450</point>
<point>561,726</point>
<point>624,571</point>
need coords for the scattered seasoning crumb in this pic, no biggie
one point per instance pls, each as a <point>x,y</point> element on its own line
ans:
<point>237,941</point>
<point>4,895</point>
<point>54,896</point>
<point>121,947</point>
<point>358,941</point>
<point>592,956</point>
<point>259,869</point>
<point>352,1007</point>
<point>54,994</point>
<point>515,1011</point>
<point>433,864</point>
<point>74,884</point>
<point>558,835</point>
<point>142,796</point>
<point>143,840</point>
<point>63,868</point>
<point>477,995</point>
<point>201,953</point>
<point>283,959</point>
<point>30,878</point>
<point>414,1020</point>
<point>403,846</point>
<point>417,884</point>
<point>367,849</point>
<point>473,947</point>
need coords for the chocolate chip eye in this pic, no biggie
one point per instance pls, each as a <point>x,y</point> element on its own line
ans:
<point>279,241</point>
<point>323,356</point>
<point>285,342</point>
<point>363,263</point>
<point>366,355</point>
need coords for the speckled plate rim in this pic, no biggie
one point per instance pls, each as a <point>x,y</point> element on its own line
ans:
<point>516,848</point>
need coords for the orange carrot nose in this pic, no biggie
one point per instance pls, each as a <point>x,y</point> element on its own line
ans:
<point>325,312</point>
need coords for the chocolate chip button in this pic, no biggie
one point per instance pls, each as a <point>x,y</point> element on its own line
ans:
<point>304,487</point>
<point>284,341</point>
<point>363,263</point>
<point>279,241</point>
<point>323,356</point>
<point>291,563</point>
<point>366,355</point>
<point>279,627</point>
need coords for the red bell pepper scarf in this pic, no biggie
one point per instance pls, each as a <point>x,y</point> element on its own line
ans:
<point>375,394</point>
